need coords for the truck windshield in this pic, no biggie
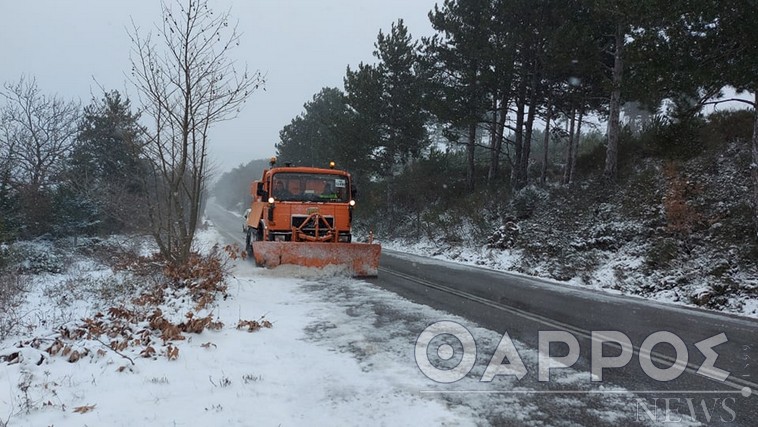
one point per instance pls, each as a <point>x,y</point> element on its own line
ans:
<point>310,187</point>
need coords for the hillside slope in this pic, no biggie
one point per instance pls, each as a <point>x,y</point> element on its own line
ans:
<point>675,230</point>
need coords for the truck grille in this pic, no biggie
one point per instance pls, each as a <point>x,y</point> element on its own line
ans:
<point>297,221</point>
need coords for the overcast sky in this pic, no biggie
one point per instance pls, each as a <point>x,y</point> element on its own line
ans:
<point>71,46</point>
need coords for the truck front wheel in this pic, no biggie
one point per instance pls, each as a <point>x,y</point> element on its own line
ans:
<point>248,241</point>
<point>253,235</point>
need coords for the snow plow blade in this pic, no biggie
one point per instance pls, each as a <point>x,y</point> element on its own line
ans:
<point>362,259</point>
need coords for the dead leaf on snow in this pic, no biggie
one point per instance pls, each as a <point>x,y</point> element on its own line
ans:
<point>148,352</point>
<point>84,409</point>
<point>172,352</point>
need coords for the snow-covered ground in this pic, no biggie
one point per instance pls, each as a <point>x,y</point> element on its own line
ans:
<point>339,352</point>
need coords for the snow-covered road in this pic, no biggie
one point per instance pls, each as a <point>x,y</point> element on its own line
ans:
<point>340,352</point>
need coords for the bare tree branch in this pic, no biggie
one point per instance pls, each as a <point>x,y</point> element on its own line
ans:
<point>39,132</point>
<point>720,101</point>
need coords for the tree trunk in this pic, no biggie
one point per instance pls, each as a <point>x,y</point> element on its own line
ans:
<point>518,143</point>
<point>546,144</point>
<point>754,164</point>
<point>494,149</point>
<point>611,154</point>
<point>524,167</point>
<point>577,141</point>
<point>497,143</point>
<point>470,151</point>
<point>569,149</point>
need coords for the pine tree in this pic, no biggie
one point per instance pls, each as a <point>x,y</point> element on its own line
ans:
<point>105,169</point>
<point>320,134</point>
<point>363,95</point>
<point>616,25</point>
<point>387,99</point>
<point>109,143</point>
<point>402,118</point>
<point>734,43</point>
<point>457,60</point>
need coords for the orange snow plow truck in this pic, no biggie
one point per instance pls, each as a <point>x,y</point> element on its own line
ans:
<point>303,216</point>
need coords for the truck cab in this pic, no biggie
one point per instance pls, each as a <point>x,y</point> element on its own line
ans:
<point>301,204</point>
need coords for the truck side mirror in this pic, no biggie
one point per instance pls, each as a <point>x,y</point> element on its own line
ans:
<point>353,192</point>
<point>261,192</point>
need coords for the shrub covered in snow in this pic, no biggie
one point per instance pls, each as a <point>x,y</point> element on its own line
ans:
<point>37,257</point>
<point>12,288</point>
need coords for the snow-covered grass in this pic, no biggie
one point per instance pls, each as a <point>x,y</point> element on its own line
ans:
<point>338,351</point>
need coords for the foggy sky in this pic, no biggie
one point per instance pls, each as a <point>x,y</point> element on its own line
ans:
<point>74,46</point>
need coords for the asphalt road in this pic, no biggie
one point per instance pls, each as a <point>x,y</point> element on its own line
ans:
<point>523,306</point>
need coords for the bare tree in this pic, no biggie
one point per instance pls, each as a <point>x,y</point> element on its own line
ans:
<point>7,153</point>
<point>38,133</point>
<point>186,86</point>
